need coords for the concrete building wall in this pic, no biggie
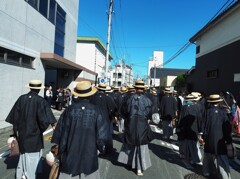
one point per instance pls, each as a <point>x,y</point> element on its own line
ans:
<point>100,63</point>
<point>26,31</point>
<point>23,29</point>
<point>85,55</point>
<point>158,57</point>
<point>170,81</point>
<point>124,76</point>
<point>90,56</point>
<point>157,60</point>
<point>13,84</point>
<point>167,81</point>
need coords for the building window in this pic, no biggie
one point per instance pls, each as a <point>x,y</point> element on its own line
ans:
<point>52,11</point>
<point>13,58</point>
<point>55,14</point>
<point>119,83</point>
<point>46,7</point>
<point>60,31</point>
<point>197,49</point>
<point>212,74</point>
<point>2,56</point>
<point>34,3</point>
<point>26,61</point>
<point>43,7</point>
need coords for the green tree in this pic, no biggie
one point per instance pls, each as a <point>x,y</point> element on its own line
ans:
<point>180,81</point>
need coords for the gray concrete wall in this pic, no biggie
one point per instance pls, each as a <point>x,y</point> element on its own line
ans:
<point>13,81</point>
<point>26,31</point>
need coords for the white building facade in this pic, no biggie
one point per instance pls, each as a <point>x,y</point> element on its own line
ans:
<point>155,62</point>
<point>121,75</point>
<point>91,54</point>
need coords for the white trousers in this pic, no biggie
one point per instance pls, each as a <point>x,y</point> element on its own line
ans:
<point>28,165</point>
<point>121,125</point>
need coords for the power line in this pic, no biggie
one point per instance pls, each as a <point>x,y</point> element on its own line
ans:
<point>220,10</point>
<point>181,50</point>
<point>92,29</point>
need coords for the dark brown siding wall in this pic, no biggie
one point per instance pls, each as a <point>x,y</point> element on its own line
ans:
<point>227,61</point>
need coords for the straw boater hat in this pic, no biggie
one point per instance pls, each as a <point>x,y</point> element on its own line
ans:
<point>140,84</point>
<point>130,88</point>
<point>108,89</point>
<point>153,91</point>
<point>197,95</point>
<point>190,97</point>
<point>214,98</point>
<point>35,84</point>
<point>102,86</point>
<point>84,89</point>
<point>123,89</point>
<point>167,90</point>
<point>116,88</point>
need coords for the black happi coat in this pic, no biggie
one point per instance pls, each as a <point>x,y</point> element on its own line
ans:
<point>30,117</point>
<point>80,131</point>
<point>105,103</point>
<point>155,102</point>
<point>217,131</point>
<point>201,107</point>
<point>119,102</point>
<point>189,124</point>
<point>137,110</point>
<point>168,107</point>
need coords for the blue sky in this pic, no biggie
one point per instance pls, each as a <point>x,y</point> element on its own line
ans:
<point>141,26</point>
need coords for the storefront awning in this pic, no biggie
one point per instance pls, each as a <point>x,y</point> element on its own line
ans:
<point>55,61</point>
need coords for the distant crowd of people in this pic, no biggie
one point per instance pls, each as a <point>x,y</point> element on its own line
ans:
<point>61,98</point>
<point>85,128</point>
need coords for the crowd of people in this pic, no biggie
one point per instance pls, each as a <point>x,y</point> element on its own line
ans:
<point>61,98</point>
<point>85,128</point>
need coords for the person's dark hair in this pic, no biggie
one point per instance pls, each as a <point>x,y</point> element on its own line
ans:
<point>35,90</point>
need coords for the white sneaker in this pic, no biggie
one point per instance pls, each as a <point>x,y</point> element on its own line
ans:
<point>139,173</point>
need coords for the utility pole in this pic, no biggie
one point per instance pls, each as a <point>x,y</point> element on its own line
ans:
<point>108,38</point>
<point>123,70</point>
<point>115,74</point>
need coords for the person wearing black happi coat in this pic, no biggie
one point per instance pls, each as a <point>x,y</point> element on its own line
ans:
<point>188,129</point>
<point>217,137</point>
<point>30,116</point>
<point>107,108</point>
<point>168,112</point>
<point>136,111</point>
<point>80,134</point>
